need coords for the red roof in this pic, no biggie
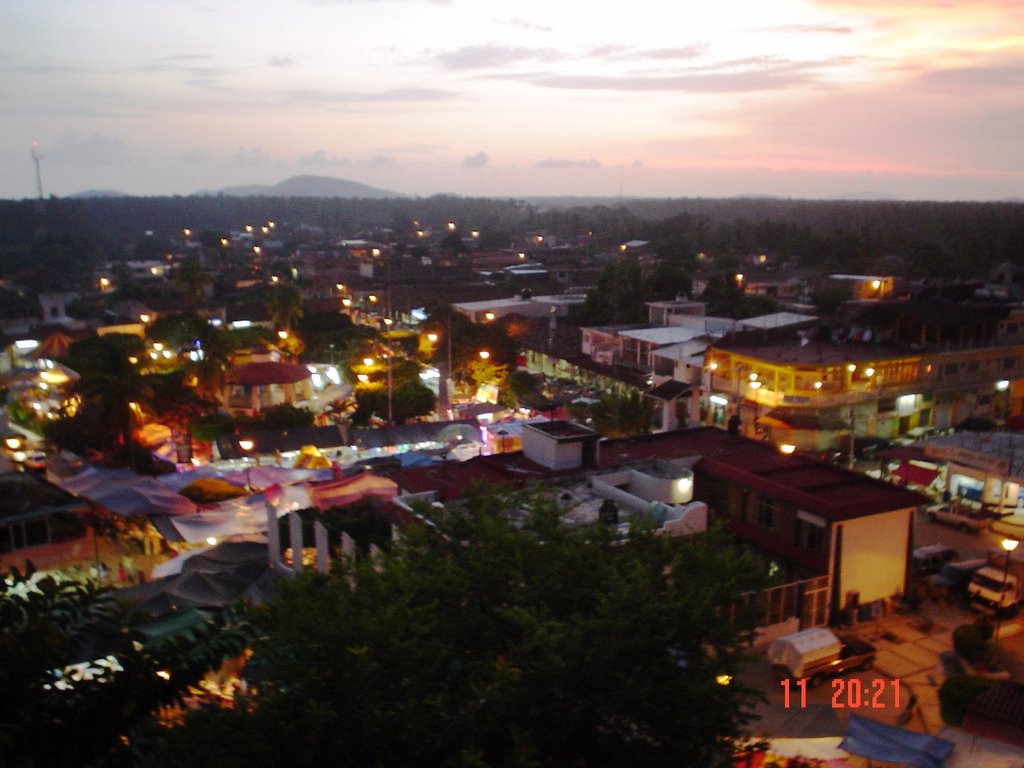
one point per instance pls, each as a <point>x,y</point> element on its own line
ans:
<point>832,492</point>
<point>262,374</point>
<point>824,489</point>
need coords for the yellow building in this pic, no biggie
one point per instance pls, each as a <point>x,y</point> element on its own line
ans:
<point>902,366</point>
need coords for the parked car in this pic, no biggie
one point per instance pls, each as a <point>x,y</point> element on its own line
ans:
<point>929,559</point>
<point>817,654</point>
<point>951,582</point>
<point>959,516</point>
<point>869,447</point>
<point>31,461</point>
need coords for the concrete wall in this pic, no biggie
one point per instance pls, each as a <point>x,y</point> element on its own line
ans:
<point>874,555</point>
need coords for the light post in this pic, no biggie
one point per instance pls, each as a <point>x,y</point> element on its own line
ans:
<point>755,385</point>
<point>710,412</point>
<point>502,434</point>
<point>246,445</point>
<point>1009,545</point>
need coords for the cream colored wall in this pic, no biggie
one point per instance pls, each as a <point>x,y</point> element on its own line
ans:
<point>874,555</point>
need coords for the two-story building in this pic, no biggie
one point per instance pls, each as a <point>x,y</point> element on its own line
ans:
<point>894,367</point>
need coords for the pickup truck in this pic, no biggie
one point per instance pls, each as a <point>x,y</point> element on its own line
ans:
<point>817,654</point>
<point>964,518</point>
<point>993,589</point>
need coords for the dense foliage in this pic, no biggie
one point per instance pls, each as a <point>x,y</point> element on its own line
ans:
<point>79,682</point>
<point>530,643</point>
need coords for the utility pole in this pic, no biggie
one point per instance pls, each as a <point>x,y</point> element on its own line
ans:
<point>37,155</point>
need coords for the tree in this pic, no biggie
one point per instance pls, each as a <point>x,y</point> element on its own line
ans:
<point>190,278</point>
<point>52,713</point>
<point>530,643</point>
<point>284,302</point>
<point>622,415</point>
<point>111,384</point>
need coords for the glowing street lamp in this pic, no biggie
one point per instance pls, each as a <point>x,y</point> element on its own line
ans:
<point>484,354</point>
<point>1009,545</point>
<point>246,445</point>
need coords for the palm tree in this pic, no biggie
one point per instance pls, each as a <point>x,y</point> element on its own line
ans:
<point>189,276</point>
<point>284,302</point>
<point>117,390</point>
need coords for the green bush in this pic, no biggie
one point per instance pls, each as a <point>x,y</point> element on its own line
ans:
<point>969,643</point>
<point>957,693</point>
<point>986,627</point>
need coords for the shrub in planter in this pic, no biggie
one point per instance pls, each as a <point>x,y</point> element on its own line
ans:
<point>986,627</point>
<point>969,643</point>
<point>956,694</point>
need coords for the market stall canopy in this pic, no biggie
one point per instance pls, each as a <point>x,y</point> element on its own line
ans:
<point>234,570</point>
<point>912,473</point>
<point>878,741</point>
<point>246,515</point>
<point>54,346</point>
<point>349,490</point>
<point>126,493</point>
<point>267,475</point>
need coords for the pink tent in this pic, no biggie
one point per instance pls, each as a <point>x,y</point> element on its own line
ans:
<point>348,490</point>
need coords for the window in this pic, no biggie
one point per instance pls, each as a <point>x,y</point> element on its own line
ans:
<point>950,369</point>
<point>35,533</point>
<point>811,535</point>
<point>973,366</point>
<point>766,513</point>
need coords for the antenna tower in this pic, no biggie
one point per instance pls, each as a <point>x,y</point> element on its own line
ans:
<point>37,155</point>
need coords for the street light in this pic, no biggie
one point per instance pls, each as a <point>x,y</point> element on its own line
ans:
<point>246,445</point>
<point>484,354</point>
<point>756,386</point>
<point>1009,545</point>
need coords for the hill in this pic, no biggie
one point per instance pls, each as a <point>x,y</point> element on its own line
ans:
<point>308,186</point>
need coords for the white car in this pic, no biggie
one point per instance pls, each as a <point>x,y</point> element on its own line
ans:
<point>964,518</point>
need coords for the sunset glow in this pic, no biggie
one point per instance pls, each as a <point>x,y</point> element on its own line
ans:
<point>913,100</point>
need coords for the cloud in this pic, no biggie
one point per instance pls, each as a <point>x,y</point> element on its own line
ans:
<point>399,95</point>
<point>321,159</point>
<point>75,149</point>
<point>975,77</point>
<point>281,61</point>
<point>412,149</point>
<point>195,157</point>
<point>626,53</point>
<point>382,161</point>
<point>494,55</point>
<point>478,160</point>
<point>526,24</point>
<point>823,29</point>
<point>246,156</point>
<point>697,82</point>
<point>561,162</point>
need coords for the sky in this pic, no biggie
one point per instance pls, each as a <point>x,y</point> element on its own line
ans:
<point>898,99</point>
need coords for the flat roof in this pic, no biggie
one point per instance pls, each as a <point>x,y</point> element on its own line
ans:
<point>816,353</point>
<point>669,334</point>
<point>777,320</point>
<point>832,492</point>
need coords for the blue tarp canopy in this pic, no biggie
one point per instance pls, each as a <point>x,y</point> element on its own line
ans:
<point>878,741</point>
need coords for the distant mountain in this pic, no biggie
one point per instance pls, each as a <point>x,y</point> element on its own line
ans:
<point>307,186</point>
<point>97,193</point>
